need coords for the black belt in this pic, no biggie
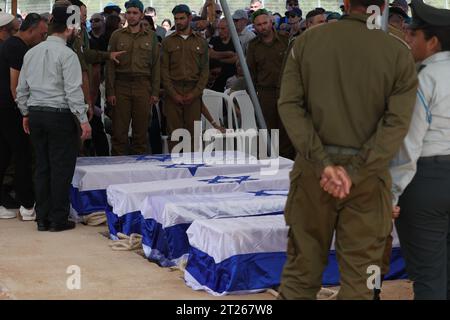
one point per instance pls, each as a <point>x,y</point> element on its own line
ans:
<point>434,159</point>
<point>49,109</point>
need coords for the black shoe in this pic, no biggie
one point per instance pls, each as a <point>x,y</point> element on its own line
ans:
<point>42,225</point>
<point>68,225</point>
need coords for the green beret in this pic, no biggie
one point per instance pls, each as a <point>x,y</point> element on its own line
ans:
<point>134,4</point>
<point>181,8</point>
<point>260,12</point>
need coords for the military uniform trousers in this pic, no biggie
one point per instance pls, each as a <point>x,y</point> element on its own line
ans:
<point>362,222</point>
<point>268,98</point>
<point>182,116</point>
<point>424,229</point>
<point>132,104</point>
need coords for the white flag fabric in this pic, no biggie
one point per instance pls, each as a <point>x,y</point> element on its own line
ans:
<point>93,175</point>
<point>247,254</point>
<point>166,218</point>
<point>97,173</point>
<point>127,198</point>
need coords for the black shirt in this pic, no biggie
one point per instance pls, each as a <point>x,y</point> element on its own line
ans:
<point>228,70</point>
<point>12,52</point>
<point>100,43</point>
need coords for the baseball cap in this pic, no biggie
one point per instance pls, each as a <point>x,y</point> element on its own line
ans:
<point>240,14</point>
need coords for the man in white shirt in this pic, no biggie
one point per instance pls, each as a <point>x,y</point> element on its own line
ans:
<point>49,95</point>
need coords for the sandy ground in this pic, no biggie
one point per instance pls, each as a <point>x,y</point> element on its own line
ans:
<point>34,265</point>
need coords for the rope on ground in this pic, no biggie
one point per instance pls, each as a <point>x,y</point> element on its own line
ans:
<point>327,294</point>
<point>180,267</point>
<point>273,292</point>
<point>94,219</point>
<point>126,243</point>
<point>324,293</point>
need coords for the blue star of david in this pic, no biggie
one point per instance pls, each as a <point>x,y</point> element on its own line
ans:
<point>225,179</point>
<point>191,167</point>
<point>268,193</point>
<point>159,157</point>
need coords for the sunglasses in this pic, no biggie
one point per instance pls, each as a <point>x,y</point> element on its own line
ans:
<point>95,20</point>
<point>218,11</point>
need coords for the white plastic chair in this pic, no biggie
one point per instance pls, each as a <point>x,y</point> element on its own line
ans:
<point>248,117</point>
<point>248,128</point>
<point>215,101</point>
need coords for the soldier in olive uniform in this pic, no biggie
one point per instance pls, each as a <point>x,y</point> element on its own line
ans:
<point>265,55</point>
<point>346,128</point>
<point>132,87</point>
<point>184,73</point>
<point>80,45</point>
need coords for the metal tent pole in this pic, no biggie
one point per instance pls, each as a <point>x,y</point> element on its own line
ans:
<point>243,62</point>
<point>385,17</point>
<point>14,7</point>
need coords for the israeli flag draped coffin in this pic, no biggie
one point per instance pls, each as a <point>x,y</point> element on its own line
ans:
<point>247,254</point>
<point>93,175</point>
<point>128,198</point>
<point>166,218</point>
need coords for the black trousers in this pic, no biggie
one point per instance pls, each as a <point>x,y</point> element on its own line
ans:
<point>154,133</point>
<point>56,142</point>
<point>15,144</point>
<point>98,145</point>
<point>424,229</point>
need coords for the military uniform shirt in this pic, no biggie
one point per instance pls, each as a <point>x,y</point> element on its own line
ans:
<point>331,96</point>
<point>429,133</point>
<point>184,60</point>
<point>141,58</point>
<point>265,60</point>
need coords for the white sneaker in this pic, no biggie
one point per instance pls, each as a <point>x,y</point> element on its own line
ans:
<point>27,214</point>
<point>6,214</point>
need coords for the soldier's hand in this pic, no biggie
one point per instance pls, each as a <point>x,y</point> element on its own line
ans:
<point>112,100</point>
<point>114,55</point>
<point>85,130</point>
<point>346,180</point>
<point>330,181</point>
<point>188,98</point>
<point>336,181</point>
<point>178,99</point>
<point>153,100</point>
<point>395,212</point>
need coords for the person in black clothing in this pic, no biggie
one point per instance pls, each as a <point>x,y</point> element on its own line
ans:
<point>112,23</point>
<point>222,49</point>
<point>13,141</point>
<point>98,145</point>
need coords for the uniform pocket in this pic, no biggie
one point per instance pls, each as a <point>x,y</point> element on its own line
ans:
<point>385,202</point>
<point>124,58</point>
<point>196,54</point>
<point>294,177</point>
<point>144,55</point>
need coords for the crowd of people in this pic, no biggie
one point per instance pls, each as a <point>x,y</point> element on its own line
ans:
<point>122,74</point>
